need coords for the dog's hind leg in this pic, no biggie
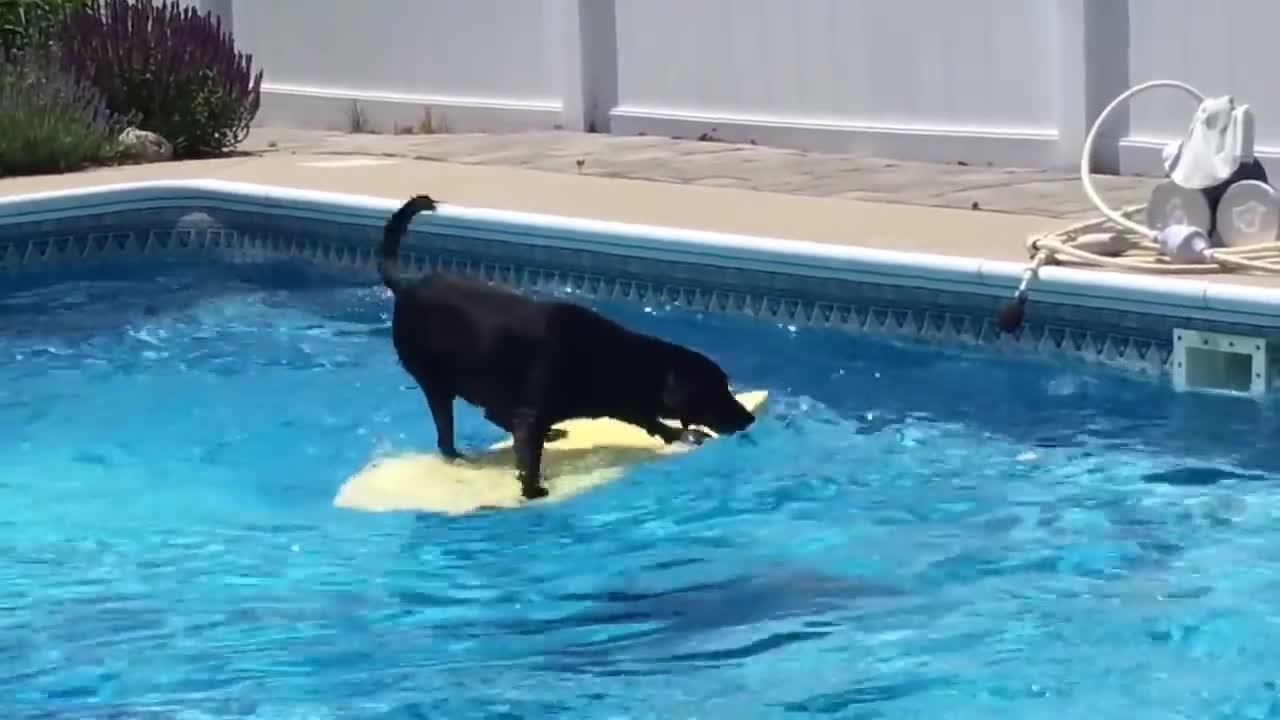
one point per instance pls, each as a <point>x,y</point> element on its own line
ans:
<point>440,401</point>
<point>529,433</point>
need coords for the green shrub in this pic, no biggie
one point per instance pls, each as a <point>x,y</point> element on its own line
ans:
<point>50,121</point>
<point>172,68</point>
<point>32,24</point>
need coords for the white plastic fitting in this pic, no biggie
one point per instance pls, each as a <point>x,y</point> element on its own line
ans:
<point>1184,244</point>
<point>1112,244</point>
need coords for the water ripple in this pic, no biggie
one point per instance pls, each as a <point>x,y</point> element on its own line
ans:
<point>905,533</point>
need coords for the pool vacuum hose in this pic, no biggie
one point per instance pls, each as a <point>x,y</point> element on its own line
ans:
<point>1180,247</point>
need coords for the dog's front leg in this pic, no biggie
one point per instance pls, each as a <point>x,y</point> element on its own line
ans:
<point>440,401</point>
<point>504,422</point>
<point>694,436</point>
<point>528,436</point>
<point>670,435</point>
<point>661,430</point>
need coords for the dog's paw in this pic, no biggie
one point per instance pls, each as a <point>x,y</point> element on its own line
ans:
<point>693,437</point>
<point>555,434</point>
<point>534,492</point>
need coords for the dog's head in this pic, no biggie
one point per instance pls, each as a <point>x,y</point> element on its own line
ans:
<point>696,392</point>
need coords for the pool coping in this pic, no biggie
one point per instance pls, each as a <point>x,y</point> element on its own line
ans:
<point>1141,294</point>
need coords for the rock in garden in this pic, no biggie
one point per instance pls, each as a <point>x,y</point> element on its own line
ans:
<point>144,146</point>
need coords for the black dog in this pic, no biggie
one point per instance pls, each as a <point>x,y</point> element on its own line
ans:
<point>530,364</point>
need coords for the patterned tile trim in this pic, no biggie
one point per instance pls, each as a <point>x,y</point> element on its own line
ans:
<point>1139,343</point>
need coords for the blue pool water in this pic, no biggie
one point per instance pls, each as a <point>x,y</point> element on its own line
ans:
<point>906,533</point>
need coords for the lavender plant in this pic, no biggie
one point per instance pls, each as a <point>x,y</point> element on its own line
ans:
<point>49,120</point>
<point>32,24</point>
<point>176,70</point>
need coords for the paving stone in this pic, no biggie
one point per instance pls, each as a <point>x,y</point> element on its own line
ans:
<point>1055,194</point>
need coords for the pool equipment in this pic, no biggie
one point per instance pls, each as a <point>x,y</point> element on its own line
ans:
<point>1214,212</point>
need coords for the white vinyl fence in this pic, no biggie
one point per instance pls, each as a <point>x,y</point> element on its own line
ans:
<point>1008,82</point>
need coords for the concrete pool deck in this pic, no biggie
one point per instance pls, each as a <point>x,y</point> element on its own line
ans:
<point>704,185</point>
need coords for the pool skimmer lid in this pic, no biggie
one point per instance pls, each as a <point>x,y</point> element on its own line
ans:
<point>1219,363</point>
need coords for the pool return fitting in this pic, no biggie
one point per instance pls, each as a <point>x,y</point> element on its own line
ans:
<point>1214,212</point>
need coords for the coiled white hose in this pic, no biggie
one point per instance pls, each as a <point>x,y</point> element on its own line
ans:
<point>1137,250</point>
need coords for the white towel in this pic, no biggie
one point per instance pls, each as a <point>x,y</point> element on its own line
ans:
<point>1219,139</point>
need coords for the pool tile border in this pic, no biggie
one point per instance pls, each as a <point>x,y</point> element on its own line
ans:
<point>1091,317</point>
<point>913,314</point>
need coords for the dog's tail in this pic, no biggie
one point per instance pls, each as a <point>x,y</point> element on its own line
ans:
<point>392,233</point>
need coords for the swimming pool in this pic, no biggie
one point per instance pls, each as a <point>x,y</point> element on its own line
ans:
<point>907,532</point>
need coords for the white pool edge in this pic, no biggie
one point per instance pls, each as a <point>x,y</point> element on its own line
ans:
<point>1215,301</point>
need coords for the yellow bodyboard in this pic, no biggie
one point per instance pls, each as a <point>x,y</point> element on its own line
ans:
<point>592,452</point>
